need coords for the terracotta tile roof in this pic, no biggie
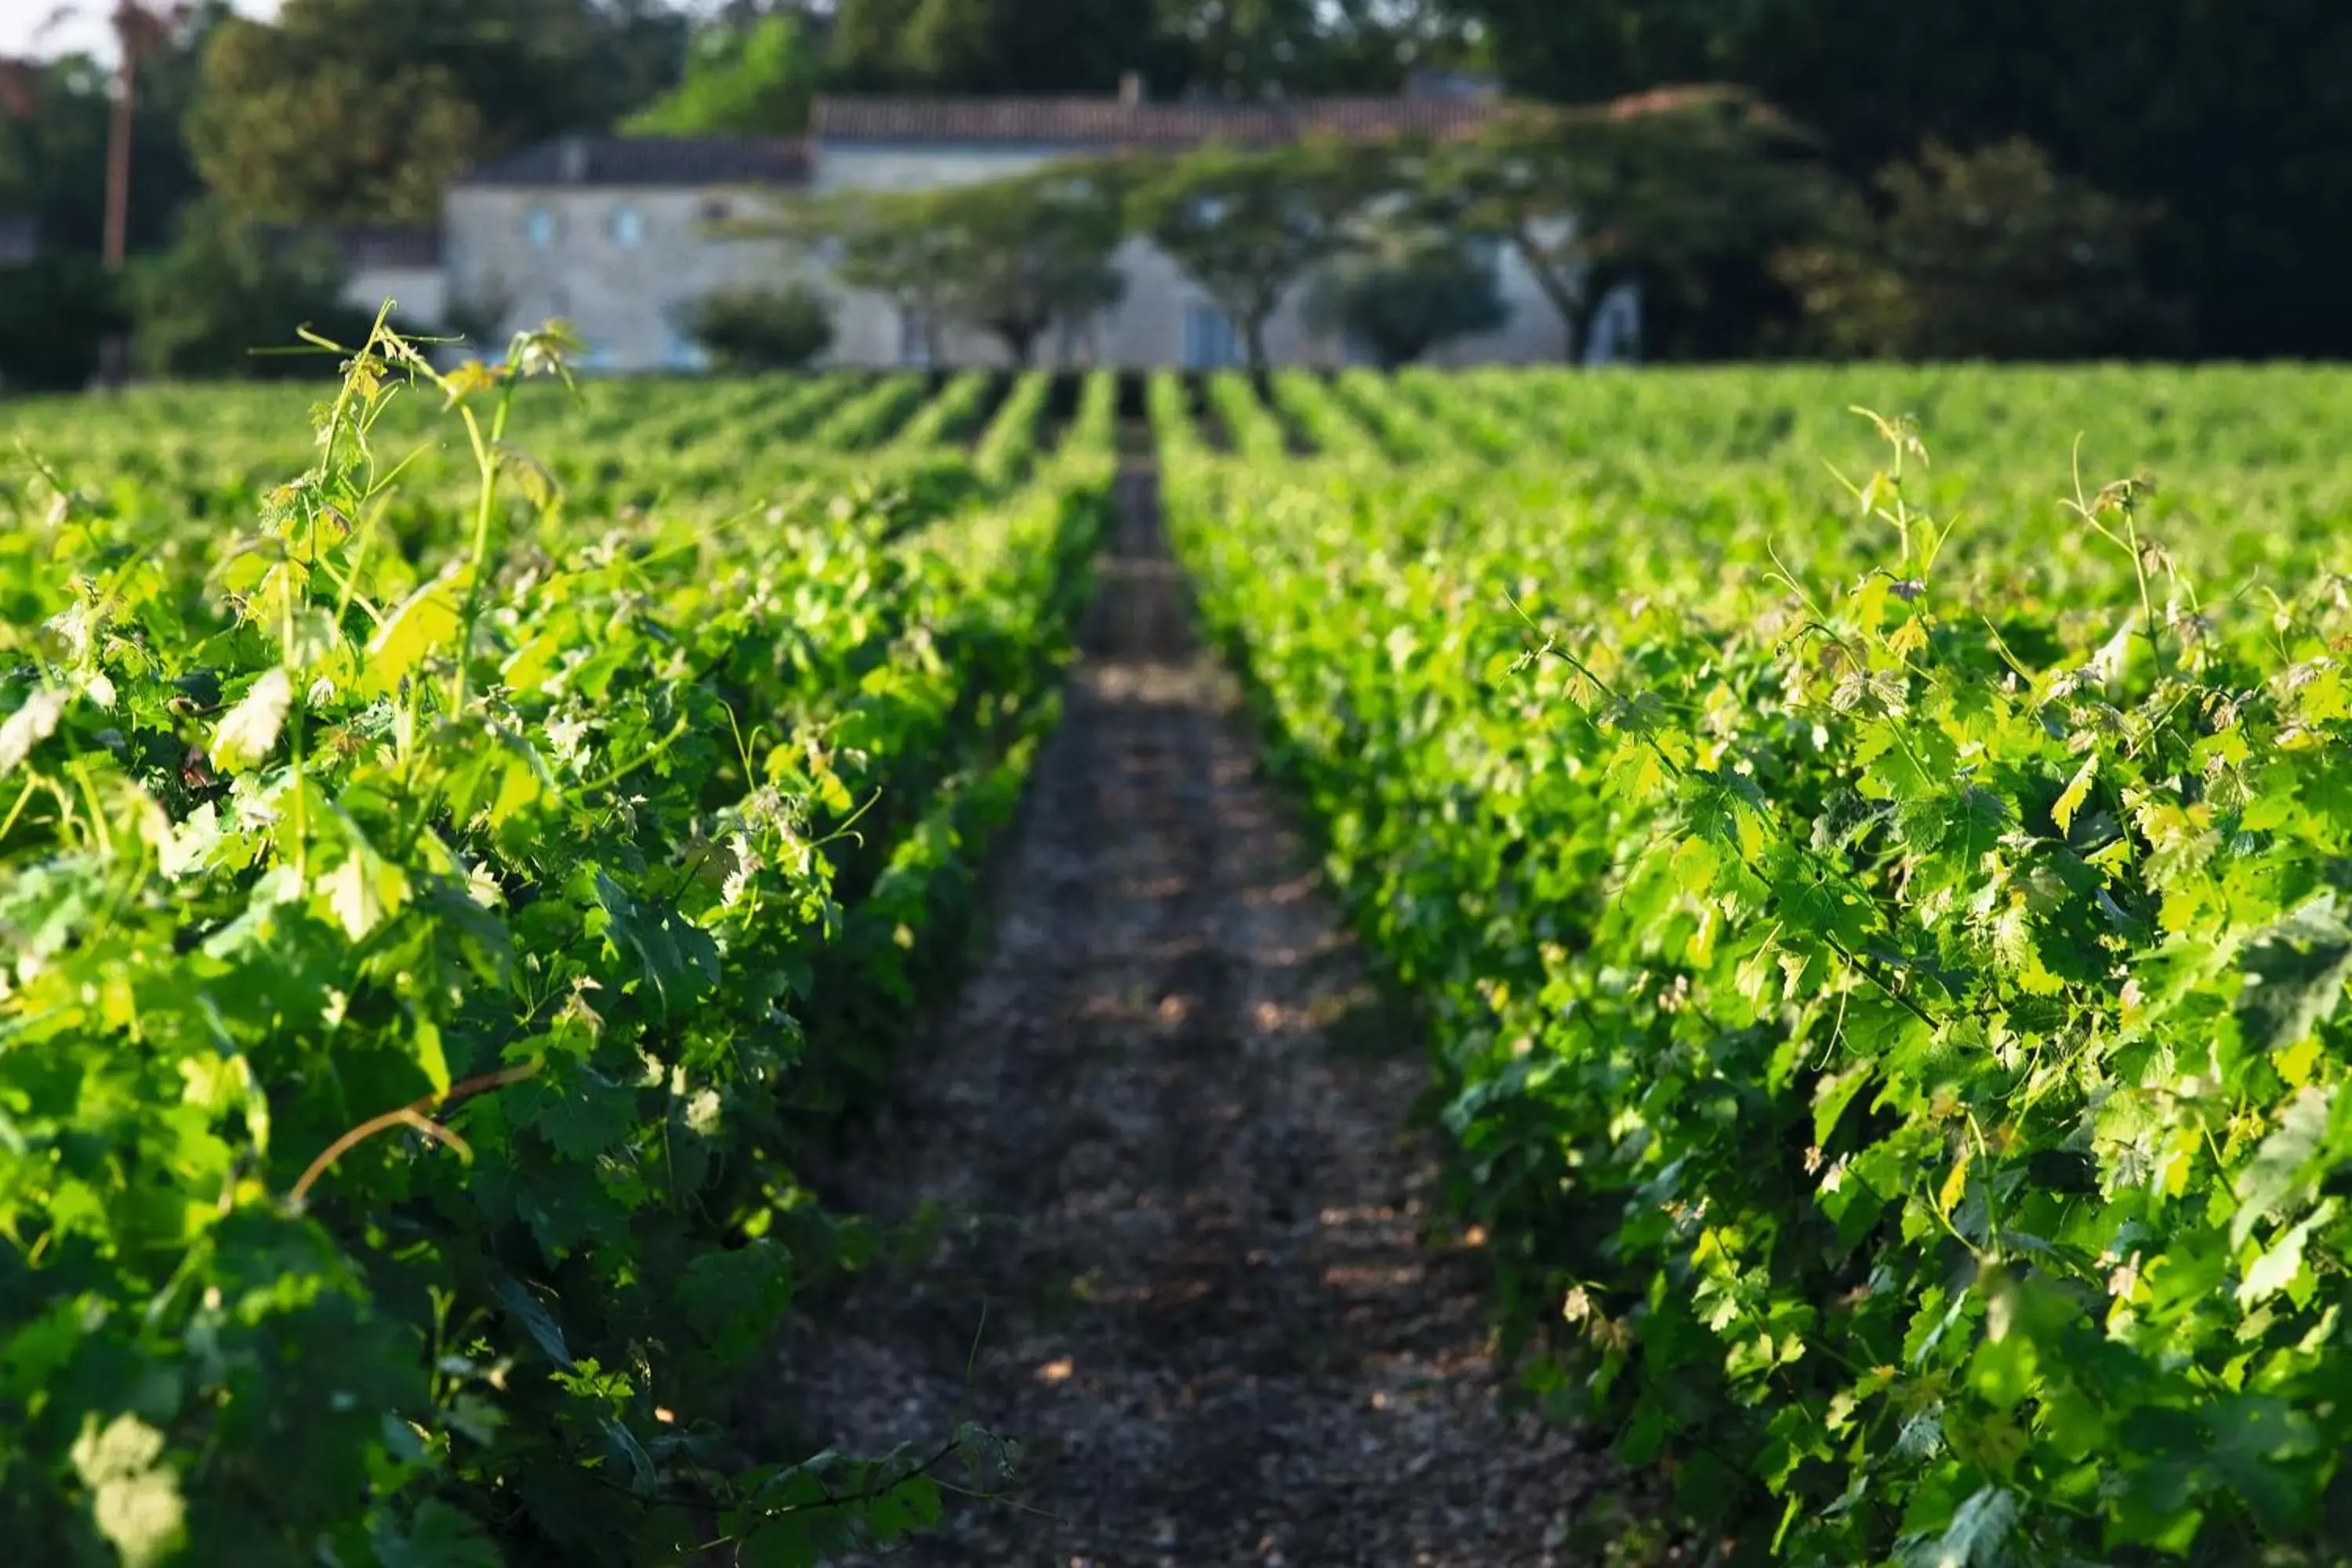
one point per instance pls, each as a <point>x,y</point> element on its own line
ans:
<point>1116,122</point>
<point>651,161</point>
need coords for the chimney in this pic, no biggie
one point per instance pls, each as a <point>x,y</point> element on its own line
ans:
<point>572,166</point>
<point>1131,88</point>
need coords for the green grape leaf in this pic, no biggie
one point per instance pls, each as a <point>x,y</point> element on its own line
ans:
<point>2279,1166</point>
<point>436,1536</point>
<point>536,1320</point>
<point>733,1299</point>
<point>2278,1266</point>
<point>246,733</point>
<point>678,959</point>
<point>2294,972</point>
<point>2078,790</point>
<point>1978,1537</point>
<point>428,619</point>
<point>29,725</point>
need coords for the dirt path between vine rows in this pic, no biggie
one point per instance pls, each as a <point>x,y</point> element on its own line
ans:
<point>1186,1223</point>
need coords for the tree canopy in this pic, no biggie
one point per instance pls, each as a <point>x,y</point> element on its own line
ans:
<point>751,80</point>
<point>2229,129</point>
<point>1024,254</point>
<point>1645,188</point>
<point>1248,225</point>
<point>1245,47</point>
<point>882,242</point>
<point>1991,254</point>
<point>2234,120</point>
<point>987,46</point>
<point>351,110</point>
<point>1402,297</point>
<point>1219,47</point>
<point>226,289</point>
<point>1009,258</point>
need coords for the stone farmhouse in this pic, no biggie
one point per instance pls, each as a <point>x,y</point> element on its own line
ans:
<point>618,234</point>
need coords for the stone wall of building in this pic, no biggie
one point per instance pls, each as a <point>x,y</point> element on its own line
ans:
<point>1158,321</point>
<point>867,331</point>
<point>421,294</point>
<point>619,263</point>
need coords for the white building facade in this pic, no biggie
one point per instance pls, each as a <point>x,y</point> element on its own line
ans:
<point>619,235</point>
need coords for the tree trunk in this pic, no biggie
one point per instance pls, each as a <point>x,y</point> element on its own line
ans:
<point>1253,344</point>
<point>1566,295</point>
<point>1599,286</point>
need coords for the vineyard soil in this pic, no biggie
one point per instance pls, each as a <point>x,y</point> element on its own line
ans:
<point>1185,1259</point>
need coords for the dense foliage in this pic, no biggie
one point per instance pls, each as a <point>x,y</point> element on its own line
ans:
<point>347,112</point>
<point>227,294</point>
<point>1005,258</point>
<point>1885,946</point>
<point>440,902</point>
<point>753,80</point>
<point>1401,299</point>
<point>1992,255</point>
<point>55,312</point>
<point>2233,120</point>
<point>1648,189</point>
<point>1249,226</point>
<point>755,328</point>
<point>1211,47</point>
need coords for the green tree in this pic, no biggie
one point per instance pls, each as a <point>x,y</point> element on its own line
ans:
<point>882,242</point>
<point>344,110</point>
<point>1248,225</point>
<point>989,45</point>
<point>337,143</point>
<point>1406,295</point>
<point>224,291</point>
<point>1222,47</point>
<point>751,330</point>
<point>1990,254</point>
<point>1024,253</point>
<point>754,79</point>
<point>2233,118</point>
<point>1245,47</point>
<point>1643,189</point>
<point>637,52</point>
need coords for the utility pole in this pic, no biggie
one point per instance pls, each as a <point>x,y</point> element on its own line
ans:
<point>118,137</point>
<point>135,30</point>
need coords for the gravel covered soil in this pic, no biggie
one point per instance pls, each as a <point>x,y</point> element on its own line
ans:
<point>1186,1259</point>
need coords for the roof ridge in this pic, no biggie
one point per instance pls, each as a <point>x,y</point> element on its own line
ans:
<point>608,158</point>
<point>1075,119</point>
